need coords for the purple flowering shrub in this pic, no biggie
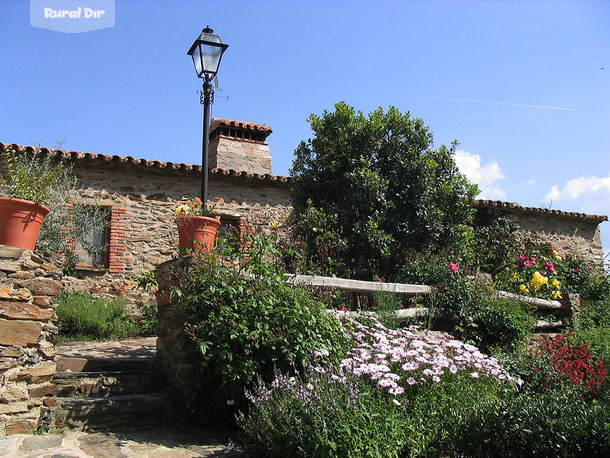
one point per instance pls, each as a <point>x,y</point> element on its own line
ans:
<point>396,360</point>
<point>390,396</point>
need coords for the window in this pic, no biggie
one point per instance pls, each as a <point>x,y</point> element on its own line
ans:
<point>93,236</point>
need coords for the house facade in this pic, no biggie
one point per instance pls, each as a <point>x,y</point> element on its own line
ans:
<point>140,197</point>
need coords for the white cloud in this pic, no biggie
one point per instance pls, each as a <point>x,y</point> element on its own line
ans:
<point>592,192</point>
<point>486,176</point>
<point>589,195</point>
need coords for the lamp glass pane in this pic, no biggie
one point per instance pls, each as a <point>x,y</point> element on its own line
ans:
<point>211,57</point>
<point>197,61</point>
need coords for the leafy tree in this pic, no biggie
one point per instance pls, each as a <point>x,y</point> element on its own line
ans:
<point>375,188</point>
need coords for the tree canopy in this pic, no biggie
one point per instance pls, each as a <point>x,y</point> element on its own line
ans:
<point>368,189</point>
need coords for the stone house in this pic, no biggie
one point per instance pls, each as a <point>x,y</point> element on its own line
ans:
<point>140,197</point>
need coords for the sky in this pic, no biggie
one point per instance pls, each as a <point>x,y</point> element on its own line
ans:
<point>523,86</point>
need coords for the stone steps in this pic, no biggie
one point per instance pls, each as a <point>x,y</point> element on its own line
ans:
<point>102,384</point>
<point>88,412</point>
<point>108,383</point>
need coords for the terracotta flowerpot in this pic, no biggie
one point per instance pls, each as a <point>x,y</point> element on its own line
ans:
<point>20,222</point>
<point>197,232</point>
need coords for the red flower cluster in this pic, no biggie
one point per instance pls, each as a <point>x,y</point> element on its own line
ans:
<point>575,364</point>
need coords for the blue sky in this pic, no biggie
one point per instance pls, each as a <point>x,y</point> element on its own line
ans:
<point>522,85</point>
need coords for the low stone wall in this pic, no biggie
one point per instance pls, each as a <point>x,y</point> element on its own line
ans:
<point>29,287</point>
<point>171,358</point>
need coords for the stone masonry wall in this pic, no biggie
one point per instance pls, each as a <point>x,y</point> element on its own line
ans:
<point>144,200</point>
<point>29,287</point>
<point>251,155</point>
<point>570,235</point>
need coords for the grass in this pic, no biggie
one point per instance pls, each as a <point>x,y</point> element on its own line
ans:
<point>84,317</point>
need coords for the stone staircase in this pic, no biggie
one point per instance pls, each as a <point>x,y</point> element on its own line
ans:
<point>101,384</point>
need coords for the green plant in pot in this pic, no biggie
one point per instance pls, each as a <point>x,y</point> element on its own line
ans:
<point>41,208</point>
<point>27,190</point>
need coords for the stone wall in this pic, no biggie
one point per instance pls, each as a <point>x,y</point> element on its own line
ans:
<point>570,235</point>
<point>172,362</point>
<point>29,287</point>
<point>143,200</point>
<point>251,155</point>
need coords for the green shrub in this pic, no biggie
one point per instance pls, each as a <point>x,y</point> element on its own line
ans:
<point>548,424</point>
<point>594,314</point>
<point>244,322</point>
<point>83,316</point>
<point>380,189</point>
<point>394,395</point>
<point>497,244</point>
<point>318,416</point>
<point>454,290</point>
<point>492,322</point>
<point>591,281</point>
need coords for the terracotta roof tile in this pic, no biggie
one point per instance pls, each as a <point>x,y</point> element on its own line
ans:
<point>514,207</point>
<point>78,156</point>
<point>219,122</point>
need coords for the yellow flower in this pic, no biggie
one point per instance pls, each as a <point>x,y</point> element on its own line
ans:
<point>555,283</point>
<point>275,224</point>
<point>539,280</point>
<point>522,288</point>
<point>556,295</point>
<point>182,210</point>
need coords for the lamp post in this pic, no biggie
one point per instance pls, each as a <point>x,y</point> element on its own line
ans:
<point>206,52</point>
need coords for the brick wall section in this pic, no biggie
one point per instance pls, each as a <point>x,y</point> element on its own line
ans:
<point>119,228</point>
<point>29,288</point>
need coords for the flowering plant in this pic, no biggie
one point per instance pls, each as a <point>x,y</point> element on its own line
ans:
<point>196,207</point>
<point>573,364</point>
<point>533,274</point>
<point>395,360</point>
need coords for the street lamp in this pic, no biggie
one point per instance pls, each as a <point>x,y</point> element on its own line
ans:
<point>206,52</point>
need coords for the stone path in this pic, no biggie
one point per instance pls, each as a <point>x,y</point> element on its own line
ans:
<point>143,439</point>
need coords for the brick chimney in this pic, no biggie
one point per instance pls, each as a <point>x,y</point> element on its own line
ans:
<point>240,146</point>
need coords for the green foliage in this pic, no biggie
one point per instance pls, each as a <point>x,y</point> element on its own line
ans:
<point>454,290</point>
<point>594,314</point>
<point>83,316</point>
<point>491,322</point>
<point>146,280</point>
<point>244,321</point>
<point>579,276</point>
<point>32,177</point>
<point>547,424</point>
<point>315,416</point>
<point>498,243</point>
<point>379,188</point>
<point>50,181</point>
<point>65,227</point>
<point>386,305</point>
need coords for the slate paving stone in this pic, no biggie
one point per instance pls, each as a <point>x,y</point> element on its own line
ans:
<point>101,446</point>
<point>35,443</point>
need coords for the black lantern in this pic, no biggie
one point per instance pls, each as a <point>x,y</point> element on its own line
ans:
<point>206,52</point>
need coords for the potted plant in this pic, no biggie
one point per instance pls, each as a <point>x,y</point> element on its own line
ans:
<point>27,186</point>
<point>197,228</point>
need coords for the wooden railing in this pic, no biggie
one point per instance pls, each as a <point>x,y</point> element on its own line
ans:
<point>360,287</point>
